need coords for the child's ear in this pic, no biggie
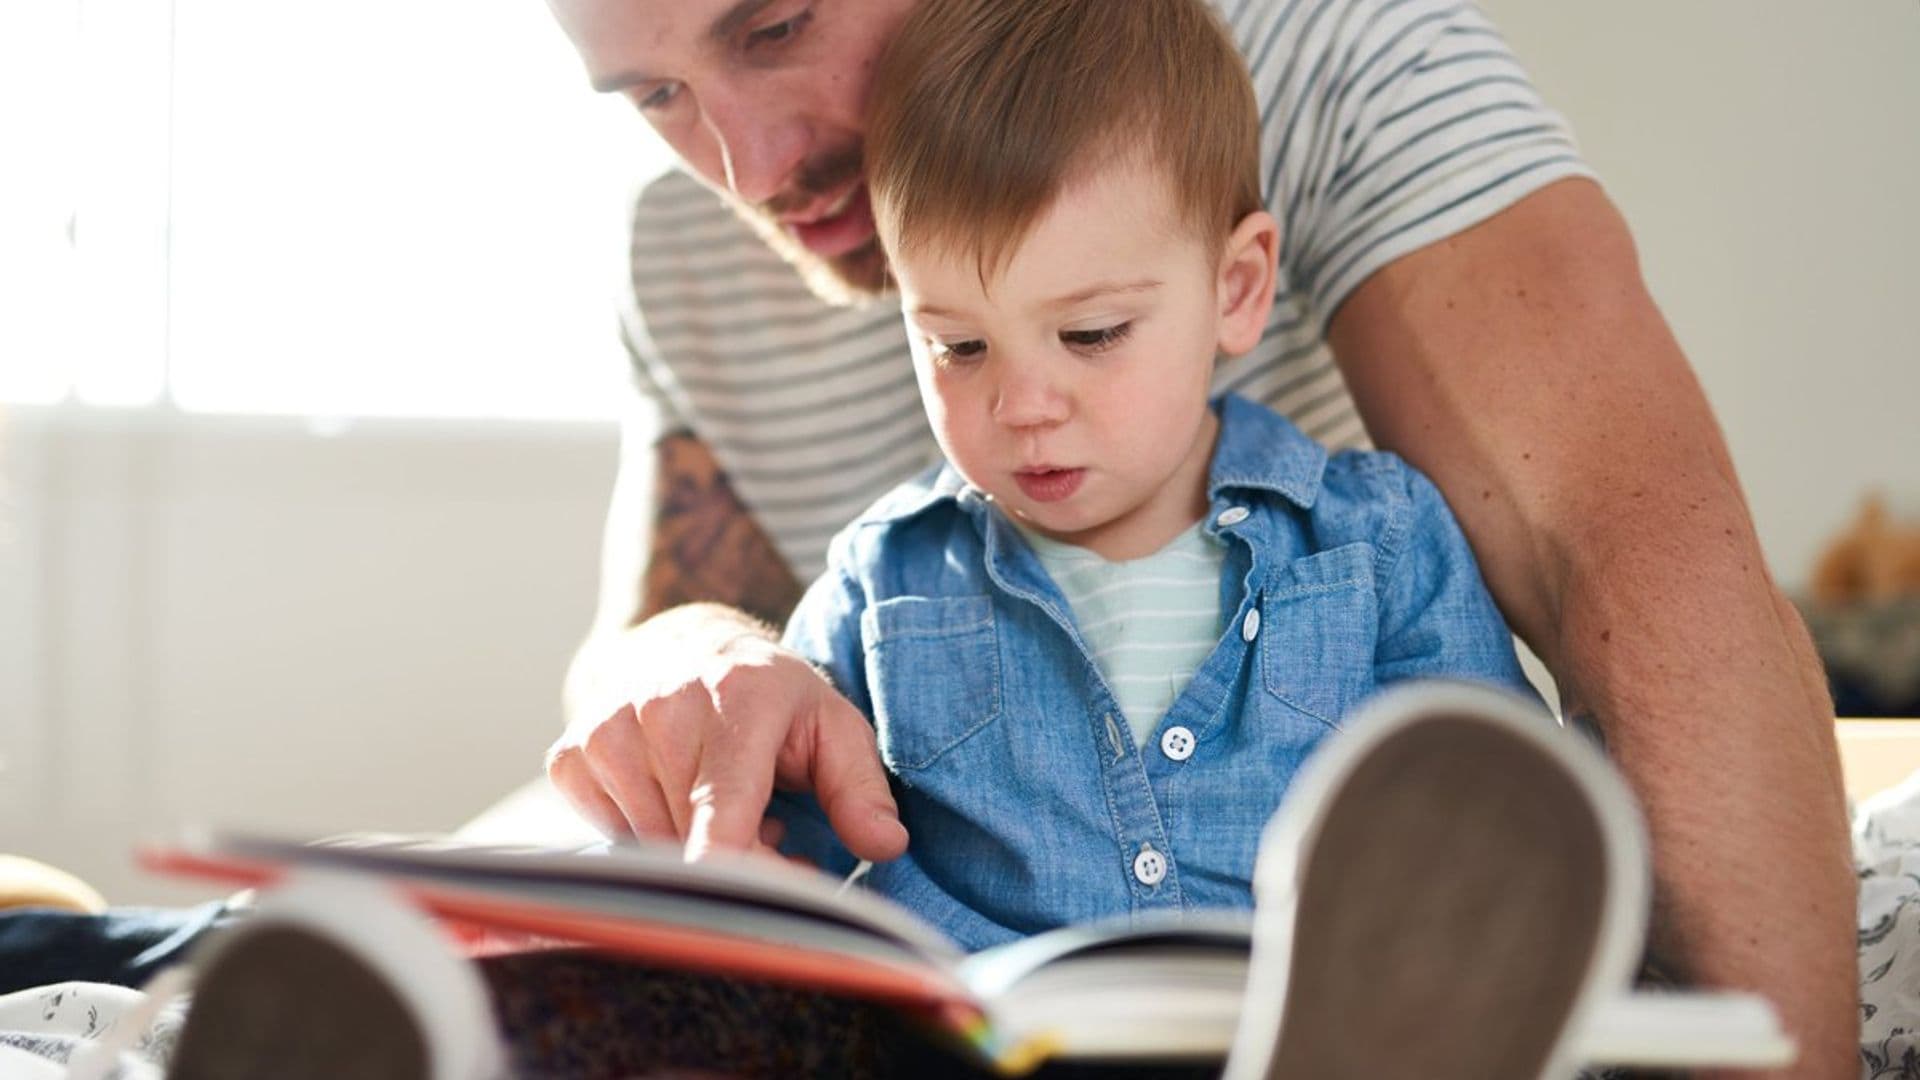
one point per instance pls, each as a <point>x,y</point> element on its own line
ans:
<point>1246,282</point>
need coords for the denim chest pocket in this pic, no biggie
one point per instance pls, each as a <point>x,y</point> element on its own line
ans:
<point>1320,623</point>
<point>933,664</point>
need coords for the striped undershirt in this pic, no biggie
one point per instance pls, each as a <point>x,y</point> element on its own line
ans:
<point>1149,622</point>
<point>1387,125</point>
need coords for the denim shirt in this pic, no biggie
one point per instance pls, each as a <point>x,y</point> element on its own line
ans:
<point>1027,803</point>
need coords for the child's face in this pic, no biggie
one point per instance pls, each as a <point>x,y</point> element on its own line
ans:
<point>1073,387</point>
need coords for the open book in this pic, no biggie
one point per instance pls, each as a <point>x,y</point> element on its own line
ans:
<point>1158,990</point>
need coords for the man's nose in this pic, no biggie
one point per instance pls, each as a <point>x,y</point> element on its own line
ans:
<point>1030,395</point>
<point>761,144</point>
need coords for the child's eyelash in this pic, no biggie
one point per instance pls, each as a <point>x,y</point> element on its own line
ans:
<point>956,352</point>
<point>950,353</point>
<point>1097,340</point>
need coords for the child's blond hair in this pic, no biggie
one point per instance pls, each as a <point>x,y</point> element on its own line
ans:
<point>985,109</point>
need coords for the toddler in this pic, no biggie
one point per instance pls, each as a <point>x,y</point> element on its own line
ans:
<point>1097,642</point>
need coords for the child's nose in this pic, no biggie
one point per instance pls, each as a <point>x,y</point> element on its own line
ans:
<point>1030,397</point>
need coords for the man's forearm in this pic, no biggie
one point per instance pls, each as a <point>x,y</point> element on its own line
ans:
<point>1523,365</point>
<point>686,564</point>
<point>1711,699</point>
<point>706,547</point>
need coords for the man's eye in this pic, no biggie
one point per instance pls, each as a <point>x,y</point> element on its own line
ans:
<point>1095,340</point>
<point>660,97</point>
<point>779,32</point>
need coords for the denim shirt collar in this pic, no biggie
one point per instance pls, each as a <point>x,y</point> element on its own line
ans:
<point>1257,449</point>
<point>1261,450</point>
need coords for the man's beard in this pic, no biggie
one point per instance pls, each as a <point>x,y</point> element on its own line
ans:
<point>845,280</point>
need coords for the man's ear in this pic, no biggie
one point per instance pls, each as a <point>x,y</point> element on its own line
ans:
<point>1245,287</point>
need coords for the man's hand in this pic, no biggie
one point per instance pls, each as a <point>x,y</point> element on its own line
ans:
<point>683,719</point>
<point>729,715</point>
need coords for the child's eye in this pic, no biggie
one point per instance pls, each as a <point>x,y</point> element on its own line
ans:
<point>780,32</point>
<point>952,353</point>
<point>1096,340</point>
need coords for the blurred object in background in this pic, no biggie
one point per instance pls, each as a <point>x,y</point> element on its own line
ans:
<point>31,883</point>
<point>1864,613</point>
<point>1875,560</point>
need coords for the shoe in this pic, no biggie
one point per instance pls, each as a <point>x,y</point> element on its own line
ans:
<point>336,977</point>
<point>1449,889</point>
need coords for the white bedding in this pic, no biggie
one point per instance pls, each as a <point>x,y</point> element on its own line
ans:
<point>1886,854</point>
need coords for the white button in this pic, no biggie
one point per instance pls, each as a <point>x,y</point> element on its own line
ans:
<point>1233,515</point>
<point>1149,866</point>
<point>1177,743</point>
<point>1250,626</point>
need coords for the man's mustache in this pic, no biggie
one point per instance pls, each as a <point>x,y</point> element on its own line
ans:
<point>821,176</point>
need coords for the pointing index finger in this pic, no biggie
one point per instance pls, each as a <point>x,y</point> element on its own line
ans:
<point>732,785</point>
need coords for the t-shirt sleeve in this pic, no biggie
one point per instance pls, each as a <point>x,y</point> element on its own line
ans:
<point>653,408</point>
<point>652,240</point>
<point>1388,125</point>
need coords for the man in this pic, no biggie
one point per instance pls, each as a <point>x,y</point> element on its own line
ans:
<point>1442,243</point>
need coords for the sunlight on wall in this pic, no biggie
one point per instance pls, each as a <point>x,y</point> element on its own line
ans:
<point>359,208</point>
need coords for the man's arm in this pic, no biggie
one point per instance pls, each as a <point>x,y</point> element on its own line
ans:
<point>676,534</point>
<point>1523,366</point>
<point>705,547</point>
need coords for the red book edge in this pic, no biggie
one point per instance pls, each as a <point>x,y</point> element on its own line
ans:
<point>474,918</point>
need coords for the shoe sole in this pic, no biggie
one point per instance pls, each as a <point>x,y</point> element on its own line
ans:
<point>311,1009</point>
<point>1457,906</point>
<point>335,977</point>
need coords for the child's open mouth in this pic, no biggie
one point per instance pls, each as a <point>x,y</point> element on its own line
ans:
<point>1049,485</point>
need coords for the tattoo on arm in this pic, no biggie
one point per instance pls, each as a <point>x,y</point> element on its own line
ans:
<point>705,545</point>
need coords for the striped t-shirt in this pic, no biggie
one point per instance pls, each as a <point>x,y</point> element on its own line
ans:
<point>1386,125</point>
<point>1149,622</point>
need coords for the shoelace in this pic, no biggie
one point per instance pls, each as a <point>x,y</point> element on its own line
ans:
<point>853,879</point>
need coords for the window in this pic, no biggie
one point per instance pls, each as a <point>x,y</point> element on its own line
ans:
<point>347,209</point>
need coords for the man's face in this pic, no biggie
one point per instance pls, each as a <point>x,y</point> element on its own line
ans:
<point>765,101</point>
<point>1072,385</point>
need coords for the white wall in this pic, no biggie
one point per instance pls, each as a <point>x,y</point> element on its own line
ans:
<point>1767,156</point>
<point>260,621</point>
<point>241,621</point>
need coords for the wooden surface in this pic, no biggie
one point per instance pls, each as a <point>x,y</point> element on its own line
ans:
<point>1877,754</point>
